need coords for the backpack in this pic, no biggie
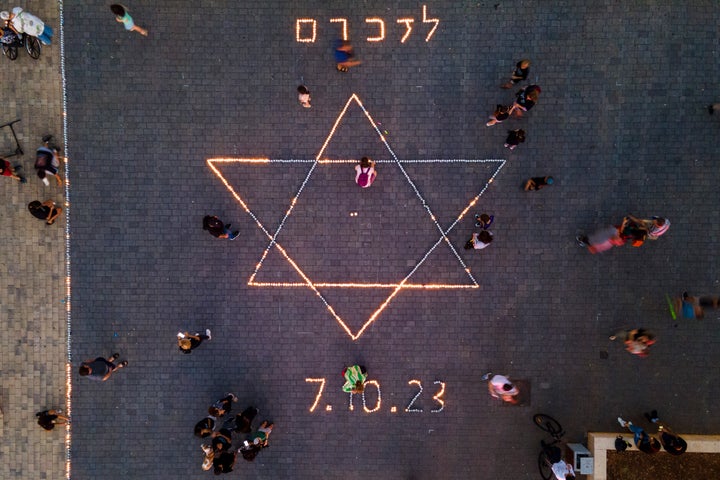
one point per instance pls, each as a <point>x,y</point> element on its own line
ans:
<point>364,178</point>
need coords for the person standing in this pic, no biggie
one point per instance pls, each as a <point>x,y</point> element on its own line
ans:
<point>304,96</point>
<point>187,341</point>
<point>365,172</point>
<point>520,74</point>
<point>514,138</point>
<point>526,99</point>
<point>25,22</point>
<point>355,377</point>
<point>501,387</point>
<point>100,369</point>
<point>122,16</point>
<point>49,418</point>
<point>222,406</point>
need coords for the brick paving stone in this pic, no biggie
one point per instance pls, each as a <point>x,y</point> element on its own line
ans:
<point>621,124</point>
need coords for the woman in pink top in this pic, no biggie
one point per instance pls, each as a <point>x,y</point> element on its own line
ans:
<point>365,173</point>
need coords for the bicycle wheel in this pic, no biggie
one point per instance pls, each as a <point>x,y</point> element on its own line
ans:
<point>10,51</point>
<point>544,466</point>
<point>32,45</point>
<point>547,423</point>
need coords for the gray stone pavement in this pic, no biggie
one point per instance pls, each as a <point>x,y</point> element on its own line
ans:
<point>33,349</point>
<point>621,124</point>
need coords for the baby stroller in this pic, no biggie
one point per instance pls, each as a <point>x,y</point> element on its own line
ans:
<point>11,41</point>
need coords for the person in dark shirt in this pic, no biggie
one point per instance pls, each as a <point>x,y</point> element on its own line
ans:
<point>217,229</point>
<point>100,369</point>
<point>522,69</point>
<point>49,418</point>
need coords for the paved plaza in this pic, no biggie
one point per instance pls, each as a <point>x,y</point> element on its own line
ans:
<point>201,117</point>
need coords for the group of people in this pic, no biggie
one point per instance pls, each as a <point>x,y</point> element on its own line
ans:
<point>673,443</point>
<point>632,230</point>
<point>220,454</point>
<point>525,99</point>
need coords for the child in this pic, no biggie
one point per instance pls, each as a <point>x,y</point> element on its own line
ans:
<point>514,138</point>
<point>122,16</point>
<point>522,69</point>
<point>536,183</point>
<point>304,96</point>
<point>501,113</point>
<point>365,173</point>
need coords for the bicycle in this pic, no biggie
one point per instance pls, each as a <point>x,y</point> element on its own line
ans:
<point>549,451</point>
<point>11,41</point>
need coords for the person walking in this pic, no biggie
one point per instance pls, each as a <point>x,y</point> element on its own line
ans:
<point>47,210</point>
<point>222,406</point>
<point>501,387</point>
<point>21,22</point>
<point>187,341</point>
<point>484,220</point>
<point>525,99</point>
<point>49,418</point>
<point>217,229</point>
<point>520,74</point>
<point>500,114</point>
<point>355,377</point>
<point>47,161</point>
<point>514,138</point>
<point>345,55</point>
<point>122,16</point>
<point>100,369</point>
<point>536,183</point>
<point>601,240</point>
<point>637,341</point>
<point>365,172</point>
<point>304,96</point>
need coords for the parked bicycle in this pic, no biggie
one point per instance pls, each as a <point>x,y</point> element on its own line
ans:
<point>550,461</point>
<point>11,42</point>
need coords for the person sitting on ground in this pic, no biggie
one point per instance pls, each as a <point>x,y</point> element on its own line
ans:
<point>187,341</point>
<point>261,436</point>
<point>355,377</point>
<point>7,170</point>
<point>223,462</point>
<point>514,138</point>
<point>536,183</point>
<point>45,211</point>
<point>479,240</point>
<point>217,229</point>
<point>208,456</point>
<point>243,421</point>
<point>365,172</point>
<point>49,418</point>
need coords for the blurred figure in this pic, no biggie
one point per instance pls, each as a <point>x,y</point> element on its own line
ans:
<point>304,96</point>
<point>345,55</point>
<point>637,341</point>
<point>501,387</point>
<point>536,183</point>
